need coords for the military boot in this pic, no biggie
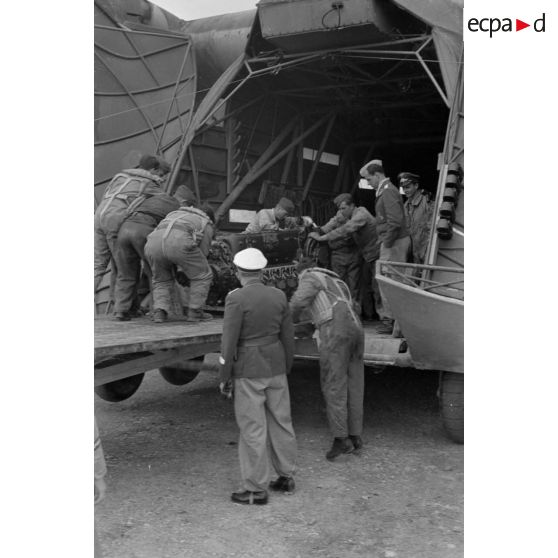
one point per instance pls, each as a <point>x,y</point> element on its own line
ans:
<point>159,316</point>
<point>357,441</point>
<point>197,315</point>
<point>340,446</point>
<point>282,484</point>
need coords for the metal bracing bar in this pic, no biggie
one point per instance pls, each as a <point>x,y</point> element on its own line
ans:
<point>335,51</point>
<point>147,121</point>
<point>173,100</point>
<point>260,167</point>
<point>253,130</point>
<point>288,163</point>
<point>140,91</point>
<point>142,58</point>
<point>145,54</point>
<point>430,74</point>
<point>300,156</point>
<point>223,101</point>
<point>230,114</point>
<point>325,137</point>
<point>194,172</point>
<point>121,29</point>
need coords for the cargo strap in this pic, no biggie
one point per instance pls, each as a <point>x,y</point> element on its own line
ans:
<point>259,341</point>
<point>112,196</point>
<point>196,233</point>
<point>344,296</point>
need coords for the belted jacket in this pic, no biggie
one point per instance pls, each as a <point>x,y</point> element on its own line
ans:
<point>258,333</point>
<point>126,191</point>
<point>419,215</point>
<point>361,226</point>
<point>392,222</point>
<point>318,291</point>
<point>191,224</point>
<point>154,209</point>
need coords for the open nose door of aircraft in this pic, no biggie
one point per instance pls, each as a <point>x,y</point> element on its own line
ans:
<point>145,87</point>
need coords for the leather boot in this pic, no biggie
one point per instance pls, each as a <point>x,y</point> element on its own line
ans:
<point>282,484</point>
<point>340,446</point>
<point>159,316</point>
<point>247,497</point>
<point>197,315</point>
<point>357,441</point>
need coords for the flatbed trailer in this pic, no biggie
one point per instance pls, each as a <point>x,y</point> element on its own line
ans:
<point>124,351</point>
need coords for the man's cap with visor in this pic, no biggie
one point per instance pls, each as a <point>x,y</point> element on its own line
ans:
<point>376,164</point>
<point>406,178</point>
<point>249,259</point>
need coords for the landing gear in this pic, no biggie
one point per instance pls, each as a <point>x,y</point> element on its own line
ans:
<point>452,404</point>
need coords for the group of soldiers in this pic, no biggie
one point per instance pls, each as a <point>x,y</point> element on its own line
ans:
<point>139,226</point>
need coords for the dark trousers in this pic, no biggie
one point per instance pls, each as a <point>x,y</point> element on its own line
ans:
<point>370,298</point>
<point>129,256</point>
<point>347,264</point>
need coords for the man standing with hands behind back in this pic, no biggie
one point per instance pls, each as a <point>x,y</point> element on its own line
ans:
<point>257,350</point>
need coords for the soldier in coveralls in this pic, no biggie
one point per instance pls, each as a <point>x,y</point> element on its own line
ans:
<point>257,350</point>
<point>126,190</point>
<point>183,239</point>
<point>341,346</point>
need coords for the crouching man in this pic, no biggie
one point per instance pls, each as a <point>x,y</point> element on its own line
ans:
<point>183,239</point>
<point>257,351</point>
<point>341,347</point>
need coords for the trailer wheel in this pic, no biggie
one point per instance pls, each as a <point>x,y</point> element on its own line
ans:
<point>119,389</point>
<point>178,376</point>
<point>452,404</point>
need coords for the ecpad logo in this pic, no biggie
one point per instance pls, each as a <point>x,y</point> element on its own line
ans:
<point>494,24</point>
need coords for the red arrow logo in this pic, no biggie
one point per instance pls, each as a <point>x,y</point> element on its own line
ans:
<point>519,25</point>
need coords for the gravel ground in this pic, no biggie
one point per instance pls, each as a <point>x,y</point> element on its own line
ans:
<point>172,463</point>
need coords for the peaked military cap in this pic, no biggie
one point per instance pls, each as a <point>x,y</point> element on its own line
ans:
<point>249,259</point>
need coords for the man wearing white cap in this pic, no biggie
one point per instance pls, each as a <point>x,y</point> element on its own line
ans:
<point>392,226</point>
<point>257,349</point>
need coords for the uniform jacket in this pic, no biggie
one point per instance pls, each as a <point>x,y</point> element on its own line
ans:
<point>345,243</point>
<point>361,226</point>
<point>190,223</point>
<point>154,209</point>
<point>126,190</point>
<point>264,220</point>
<point>255,314</point>
<point>418,211</point>
<point>392,222</point>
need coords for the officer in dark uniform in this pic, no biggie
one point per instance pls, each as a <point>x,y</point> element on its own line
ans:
<point>257,349</point>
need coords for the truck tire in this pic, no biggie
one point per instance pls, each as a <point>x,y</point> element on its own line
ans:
<point>452,404</point>
<point>119,389</point>
<point>178,376</point>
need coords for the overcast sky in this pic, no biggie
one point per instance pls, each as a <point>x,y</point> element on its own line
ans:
<point>195,9</point>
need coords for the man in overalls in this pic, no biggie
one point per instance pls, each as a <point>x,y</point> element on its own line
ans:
<point>126,190</point>
<point>341,347</point>
<point>182,239</point>
<point>257,351</point>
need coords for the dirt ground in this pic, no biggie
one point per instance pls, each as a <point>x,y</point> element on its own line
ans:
<point>172,463</point>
